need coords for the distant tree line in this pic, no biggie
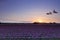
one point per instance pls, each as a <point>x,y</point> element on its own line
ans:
<point>0,22</point>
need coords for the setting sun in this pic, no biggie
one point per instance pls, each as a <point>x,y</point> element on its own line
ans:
<point>40,21</point>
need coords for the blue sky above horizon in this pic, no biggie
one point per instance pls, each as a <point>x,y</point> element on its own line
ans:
<point>29,10</point>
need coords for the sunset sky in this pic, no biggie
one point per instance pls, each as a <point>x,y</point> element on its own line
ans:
<point>26,11</point>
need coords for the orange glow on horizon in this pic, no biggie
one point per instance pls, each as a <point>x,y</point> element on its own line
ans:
<point>38,20</point>
<point>42,20</point>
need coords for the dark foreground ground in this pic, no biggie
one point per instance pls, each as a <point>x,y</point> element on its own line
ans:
<point>29,31</point>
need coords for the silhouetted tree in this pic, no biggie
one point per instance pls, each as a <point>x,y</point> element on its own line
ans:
<point>35,22</point>
<point>54,22</point>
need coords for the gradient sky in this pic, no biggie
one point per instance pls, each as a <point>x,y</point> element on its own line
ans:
<point>29,10</point>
